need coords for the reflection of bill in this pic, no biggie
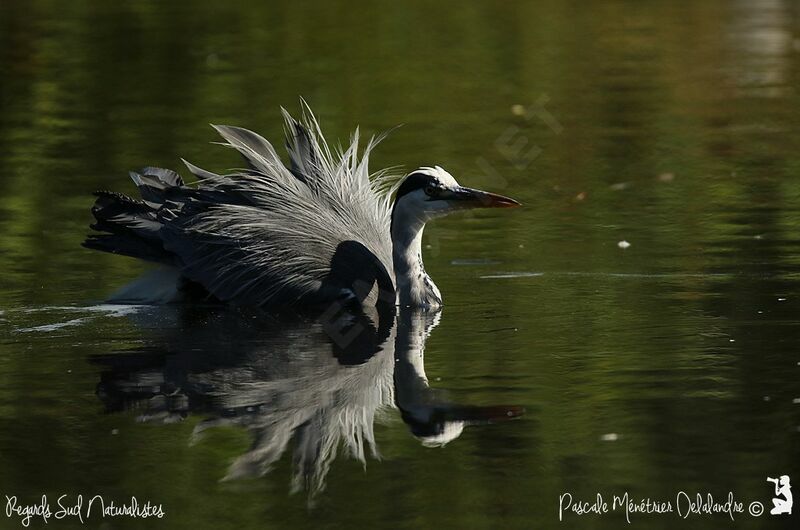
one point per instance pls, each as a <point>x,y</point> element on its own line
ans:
<point>782,489</point>
<point>432,418</point>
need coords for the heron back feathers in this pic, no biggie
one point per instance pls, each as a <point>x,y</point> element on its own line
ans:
<point>266,235</point>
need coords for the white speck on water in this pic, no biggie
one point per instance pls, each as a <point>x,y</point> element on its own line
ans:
<point>731,340</point>
<point>619,186</point>
<point>796,401</point>
<point>760,312</point>
<point>758,236</point>
<point>517,110</point>
<point>114,431</point>
<point>666,177</point>
<point>428,246</point>
<point>521,246</point>
<point>767,398</point>
<point>438,379</point>
<point>781,299</point>
<point>609,437</point>
<point>623,244</point>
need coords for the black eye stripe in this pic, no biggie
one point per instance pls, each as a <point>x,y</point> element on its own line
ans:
<point>416,181</point>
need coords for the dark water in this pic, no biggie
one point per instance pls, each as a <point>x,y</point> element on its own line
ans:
<point>668,366</point>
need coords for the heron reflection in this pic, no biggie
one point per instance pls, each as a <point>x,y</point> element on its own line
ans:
<point>308,388</point>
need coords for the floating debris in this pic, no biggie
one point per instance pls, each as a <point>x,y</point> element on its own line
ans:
<point>114,431</point>
<point>581,196</point>
<point>619,186</point>
<point>767,398</point>
<point>212,60</point>
<point>499,329</point>
<point>666,177</point>
<point>796,401</point>
<point>609,437</point>
<point>518,110</point>
<point>623,244</point>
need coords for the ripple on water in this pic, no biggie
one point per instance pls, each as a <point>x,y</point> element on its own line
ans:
<point>637,275</point>
<point>512,275</point>
<point>95,311</point>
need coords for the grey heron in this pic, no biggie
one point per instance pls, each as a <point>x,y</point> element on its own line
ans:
<point>320,230</point>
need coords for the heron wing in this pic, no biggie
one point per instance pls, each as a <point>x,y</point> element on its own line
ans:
<point>274,235</point>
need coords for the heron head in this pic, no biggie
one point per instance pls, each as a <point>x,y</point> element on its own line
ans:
<point>431,192</point>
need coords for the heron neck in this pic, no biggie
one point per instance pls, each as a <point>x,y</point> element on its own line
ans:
<point>411,384</point>
<point>414,287</point>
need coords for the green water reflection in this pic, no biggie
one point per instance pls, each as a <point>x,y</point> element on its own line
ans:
<point>674,126</point>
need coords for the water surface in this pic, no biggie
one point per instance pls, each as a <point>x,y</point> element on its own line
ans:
<point>668,365</point>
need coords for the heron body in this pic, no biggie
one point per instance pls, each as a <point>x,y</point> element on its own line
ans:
<point>318,230</point>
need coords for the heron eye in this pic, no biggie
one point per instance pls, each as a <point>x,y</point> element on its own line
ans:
<point>430,191</point>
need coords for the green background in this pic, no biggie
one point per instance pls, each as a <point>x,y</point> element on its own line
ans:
<point>672,125</point>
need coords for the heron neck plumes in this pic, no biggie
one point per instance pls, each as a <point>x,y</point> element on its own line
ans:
<point>414,287</point>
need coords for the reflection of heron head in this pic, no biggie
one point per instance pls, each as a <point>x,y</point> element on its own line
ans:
<point>437,432</point>
<point>784,480</point>
<point>448,431</point>
<point>438,426</point>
